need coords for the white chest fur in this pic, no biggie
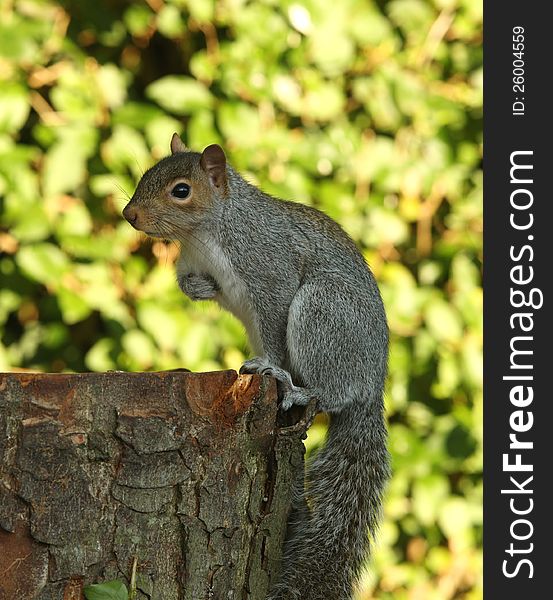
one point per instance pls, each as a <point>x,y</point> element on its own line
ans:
<point>198,255</point>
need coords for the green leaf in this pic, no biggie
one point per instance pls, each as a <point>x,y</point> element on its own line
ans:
<point>14,107</point>
<point>202,10</point>
<point>77,97</point>
<point>455,520</point>
<point>413,16</point>
<point>136,114</point>
<point>15,42</point>
<point>138,19</point>
<point>239,122</point>
<point>98,358</point>
<point>443,321</point>
<point>169,21</point>
<point>159,323</point>
<point>111,82</point>
<point>99,292</point>
<point>73,307</point>
<point>139,347</point>
<point>370,27</point>
<point>126,150</point>
<point>110,590</point>
<point>30,223</point>
<point>75,221</point>
<point>429,494</point>
<point>44,262</point>
<point>179,94</point>
<point>323,103</point>
<point>159,132</point>
<point>335,57</point>
<point>64,168</point>
<point>201,130</point>
<point>9,301</point>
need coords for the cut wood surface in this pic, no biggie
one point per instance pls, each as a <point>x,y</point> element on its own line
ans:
<point>187,473</point>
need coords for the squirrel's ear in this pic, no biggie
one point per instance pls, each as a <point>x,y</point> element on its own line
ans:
<point>214,163</point>
<point>177,144</point>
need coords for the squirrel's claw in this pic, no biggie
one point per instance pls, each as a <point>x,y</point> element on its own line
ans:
<point>254,365</point>
<point>263,367</point>
<point>305,422</point>
<point>291,394</point>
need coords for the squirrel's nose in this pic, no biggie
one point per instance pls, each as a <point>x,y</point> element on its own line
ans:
<point>131,214</point>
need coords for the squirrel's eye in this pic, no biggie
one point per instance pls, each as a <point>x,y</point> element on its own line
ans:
<point>181,190</point>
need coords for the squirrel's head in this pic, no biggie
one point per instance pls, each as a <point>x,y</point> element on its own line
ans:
<point>178,194</point>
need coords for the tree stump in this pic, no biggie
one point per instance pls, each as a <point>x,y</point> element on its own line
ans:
<point>188,474</point>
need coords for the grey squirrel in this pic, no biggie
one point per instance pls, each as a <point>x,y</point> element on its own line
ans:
<point>316,322</point>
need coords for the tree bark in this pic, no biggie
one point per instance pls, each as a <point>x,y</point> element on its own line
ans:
<point>189,474</point>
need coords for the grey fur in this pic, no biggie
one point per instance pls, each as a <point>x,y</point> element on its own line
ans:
<point>315,317</point>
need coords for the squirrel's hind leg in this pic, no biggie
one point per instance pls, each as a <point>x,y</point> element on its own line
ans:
<point>324,318</point>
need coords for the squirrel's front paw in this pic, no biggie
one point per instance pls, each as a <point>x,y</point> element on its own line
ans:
<point>264,367</point>
<point>198,287</point>
<point>290,393</point>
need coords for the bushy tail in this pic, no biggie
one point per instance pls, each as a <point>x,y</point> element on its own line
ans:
<point>333,524</point>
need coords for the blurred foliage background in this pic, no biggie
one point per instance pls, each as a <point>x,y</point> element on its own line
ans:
<point>369,110</point>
